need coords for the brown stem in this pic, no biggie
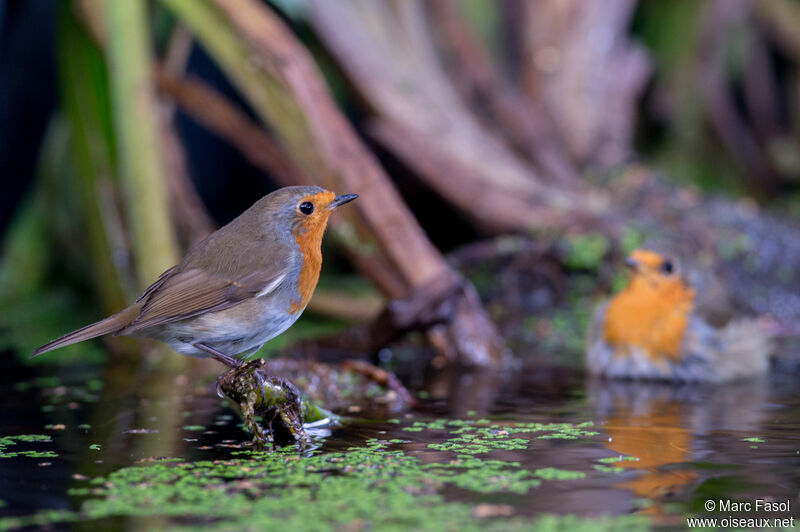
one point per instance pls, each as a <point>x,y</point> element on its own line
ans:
<point>213,111</point>
<point>280,80</point>
<point>209,108</point>
<point>424,122</point>
<point>189,214</point>
<point>526,127</point>
<point>580,65</point>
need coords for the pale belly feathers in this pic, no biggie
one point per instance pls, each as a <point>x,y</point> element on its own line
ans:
<point>236,331</point>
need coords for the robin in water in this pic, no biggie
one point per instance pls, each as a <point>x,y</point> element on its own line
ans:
<point>240,287</point>
<point>652,329</point>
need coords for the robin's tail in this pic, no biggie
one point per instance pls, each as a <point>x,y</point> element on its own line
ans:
<point>108,325</point>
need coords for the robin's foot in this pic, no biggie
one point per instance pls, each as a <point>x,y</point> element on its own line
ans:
<point>222,357</point>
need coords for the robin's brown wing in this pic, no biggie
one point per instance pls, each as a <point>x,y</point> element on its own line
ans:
<point>183,294</point>
<point>156,284</point>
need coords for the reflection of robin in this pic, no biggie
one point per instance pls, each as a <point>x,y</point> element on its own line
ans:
<point>651,330</point>
<point>240,287</point>
<point>664,429</point>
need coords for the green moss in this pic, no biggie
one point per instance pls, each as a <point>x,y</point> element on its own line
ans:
<point>372,487</point>
<point>617,459</point>
<point>39,454</point>
<point>552,473</point>
<point>585,251</point>
<point>473,444</point>
<point>630,239</point>
<point>376,485</point>
<point>13,441</point>
<point>605,465</point>
<point>483,431</point>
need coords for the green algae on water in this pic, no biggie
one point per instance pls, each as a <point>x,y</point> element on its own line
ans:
<point>369,487</point>
<point>617,459</point>
<point>480,436</point>
<point>378,485</point>
<point>13,441</point>
<point>553,473</point>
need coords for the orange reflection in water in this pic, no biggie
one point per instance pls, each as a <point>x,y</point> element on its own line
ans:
<point>656,438</point>
<point>659,425</point>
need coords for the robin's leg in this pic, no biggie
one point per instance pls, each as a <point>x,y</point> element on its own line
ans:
<point>222,357</point>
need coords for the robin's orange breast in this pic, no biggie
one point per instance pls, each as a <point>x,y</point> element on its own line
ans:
<point>308,276</point>
<point>308,237</point>
<point>652,317</point>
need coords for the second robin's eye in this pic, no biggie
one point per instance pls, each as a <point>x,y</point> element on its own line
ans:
<point>306,207</point>
<point>667,267</point>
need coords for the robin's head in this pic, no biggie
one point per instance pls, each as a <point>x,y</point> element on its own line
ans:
<point>652,311</point>
<point>298,216</point>
<point>654,269</point>
<point>302,211</point>
<point>311,210</point>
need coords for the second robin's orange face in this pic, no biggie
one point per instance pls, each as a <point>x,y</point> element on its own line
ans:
<point>651,313</point>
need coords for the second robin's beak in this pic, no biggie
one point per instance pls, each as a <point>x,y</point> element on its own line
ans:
<point>631,263</point>
<point>338,201</point>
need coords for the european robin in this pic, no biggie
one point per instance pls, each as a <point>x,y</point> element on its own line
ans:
<point>243,285</point>
<point>652,330</point>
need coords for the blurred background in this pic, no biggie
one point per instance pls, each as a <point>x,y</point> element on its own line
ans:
<point>508,155</point>
<point>520,148</point>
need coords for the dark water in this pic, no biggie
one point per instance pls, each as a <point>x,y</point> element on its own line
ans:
<point>688,444</point>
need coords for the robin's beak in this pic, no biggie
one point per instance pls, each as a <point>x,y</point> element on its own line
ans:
<point>631,263</point>
<point>338,201</point>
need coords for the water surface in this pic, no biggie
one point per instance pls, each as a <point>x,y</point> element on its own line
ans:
<point>483,450</point>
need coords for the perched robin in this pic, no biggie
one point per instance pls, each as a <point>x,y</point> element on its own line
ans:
<point>240,287</point>
<point>652,330</point>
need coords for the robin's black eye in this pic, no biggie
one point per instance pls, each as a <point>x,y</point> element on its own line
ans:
<point>667,267</point>
<point>306,207</point>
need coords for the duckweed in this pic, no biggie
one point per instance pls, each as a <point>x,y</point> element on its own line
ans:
<point>368,487</point>
<point>472,437</point>
<point>553,473</point>
<point>608,469</point>
<point>616,459</point>
<point>374,486</point>
<point>11,441</point>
